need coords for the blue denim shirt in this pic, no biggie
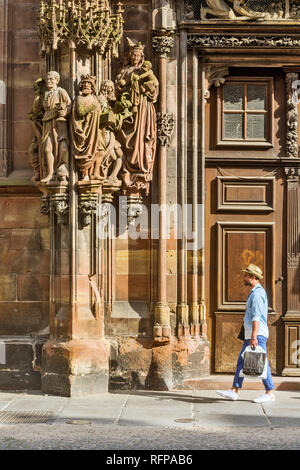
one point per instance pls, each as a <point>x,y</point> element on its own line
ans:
<point>257,310</point>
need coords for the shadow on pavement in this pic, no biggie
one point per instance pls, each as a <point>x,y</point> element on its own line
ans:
<point>178,396</point>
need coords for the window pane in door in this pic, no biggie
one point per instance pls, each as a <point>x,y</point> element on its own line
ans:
<point>233,126</point>
<point>256,97</point>
<point>256,126</point>
<point>233,97</point>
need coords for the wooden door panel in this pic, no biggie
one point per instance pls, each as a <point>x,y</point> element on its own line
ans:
<point>252,195</point>
<point>240,244</point>
<point>227,345</point>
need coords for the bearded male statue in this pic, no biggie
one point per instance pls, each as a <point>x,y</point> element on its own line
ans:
<point>96,149</point>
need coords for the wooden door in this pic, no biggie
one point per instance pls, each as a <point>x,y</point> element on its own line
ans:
<point>244,225</point>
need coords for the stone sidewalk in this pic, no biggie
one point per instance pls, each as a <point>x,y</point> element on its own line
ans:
<point>197,419</point>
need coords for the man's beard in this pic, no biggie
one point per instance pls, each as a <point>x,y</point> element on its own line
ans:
<point>86,91</point>
<point>110,95</point>
<point>247,283</point>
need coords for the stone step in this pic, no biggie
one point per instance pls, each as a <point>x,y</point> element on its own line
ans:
<point>224,382</point>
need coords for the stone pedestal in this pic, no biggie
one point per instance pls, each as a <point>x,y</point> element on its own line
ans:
<point>160,375</point>
<point>76,358</point>
<point>75,368</point>
<point>191,359</point>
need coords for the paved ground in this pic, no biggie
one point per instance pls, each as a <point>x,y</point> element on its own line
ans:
<point>179,420</point>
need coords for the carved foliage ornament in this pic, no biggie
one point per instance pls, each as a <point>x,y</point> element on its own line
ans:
<point>60,206</point>
<point>80,22</point>
<point>88,205</point>
<point>292,116</point>
<point>163,45</point>
<point>238,41</point>
<point>165,127</point>
<point>292,174</point>
<point>215,77</point>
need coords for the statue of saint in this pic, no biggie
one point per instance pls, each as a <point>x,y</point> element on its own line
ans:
<point>36,116</point>
<point>112,154</point>
<point>95,146</point>
<point>137,83</point>
<point>57,106</point>
<point>142,83</point>
<point>85,128</point>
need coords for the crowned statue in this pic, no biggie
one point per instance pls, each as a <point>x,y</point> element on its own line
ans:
<point>137,84</point>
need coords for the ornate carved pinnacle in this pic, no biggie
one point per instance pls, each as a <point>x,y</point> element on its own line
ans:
<point>163,45</point>
<point>90,23</point>
<point>165,127</point>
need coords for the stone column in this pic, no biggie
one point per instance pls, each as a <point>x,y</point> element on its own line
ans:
<point>194,306</point>
<point>182,307</point>
<point>163,46</point>
<point>5,88</point>
<point>160,376</point>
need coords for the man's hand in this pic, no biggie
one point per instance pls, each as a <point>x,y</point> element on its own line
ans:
<point>253,340</point>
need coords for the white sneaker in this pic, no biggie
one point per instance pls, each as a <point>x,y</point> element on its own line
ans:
<point>230,394</point>
<point>267,397</point>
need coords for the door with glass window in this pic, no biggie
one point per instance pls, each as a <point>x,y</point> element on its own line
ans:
<point>244,207</point>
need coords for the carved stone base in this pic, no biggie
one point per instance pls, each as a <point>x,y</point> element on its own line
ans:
<point>140,363</point>
<point>191,359</point>
<point>194,319</point>
<point>90,194</point>
<point>160,376</point>
<point>75,368</point>
<point>183,328</point>
<point>55,197</point>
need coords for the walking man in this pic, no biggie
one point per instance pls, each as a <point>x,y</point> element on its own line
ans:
<point>256,333</point>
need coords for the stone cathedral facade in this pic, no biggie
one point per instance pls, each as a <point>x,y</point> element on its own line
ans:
<point>149,151</point>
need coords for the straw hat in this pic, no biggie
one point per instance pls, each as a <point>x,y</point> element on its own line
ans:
<point>253,270</point>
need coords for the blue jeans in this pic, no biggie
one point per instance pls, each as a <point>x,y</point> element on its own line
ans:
<point>238,381</point>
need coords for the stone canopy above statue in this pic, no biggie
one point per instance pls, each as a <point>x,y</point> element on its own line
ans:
<point>243,10</point>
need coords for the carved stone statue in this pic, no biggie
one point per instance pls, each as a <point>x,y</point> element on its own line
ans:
<point>112,154</point>
<point>142,83</point>
<point>230,9</point>
<point>85,129</point>
<point>36,115</point>
<point>137,82</point>
<point>55,141</point>
<point>95,146</point>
